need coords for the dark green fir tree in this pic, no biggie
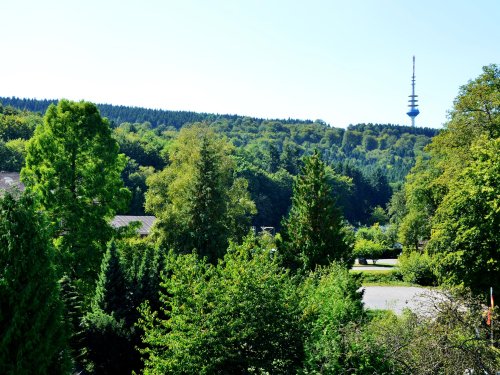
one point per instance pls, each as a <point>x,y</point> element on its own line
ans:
<point>33,338</point>
<point>107,333</point>
<point>313,233</point>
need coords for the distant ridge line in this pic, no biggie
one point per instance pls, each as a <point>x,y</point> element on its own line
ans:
<point>121,113</point>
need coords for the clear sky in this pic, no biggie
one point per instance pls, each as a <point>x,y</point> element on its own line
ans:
<point>342,61</point>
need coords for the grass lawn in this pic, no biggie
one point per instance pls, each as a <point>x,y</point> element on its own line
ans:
<point>381,278</point>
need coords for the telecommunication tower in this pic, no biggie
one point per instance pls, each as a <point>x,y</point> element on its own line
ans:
<point>413,112</point>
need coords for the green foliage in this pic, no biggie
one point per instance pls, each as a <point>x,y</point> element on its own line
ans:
<point>313,233</point>
<point>198,202</point>
<point>142,144</point>
<point>33,335</point>
<point>379,216</point>
<point>271,193</point>
<point>332,311</point>
<point>15,128</point>
<point>465,239</point>
<point>368,249</point>
<point>372,242</point>
<point>241,316</point>
<point>129,276</point>
<point>450,340</point>
<point>384,277</point>
<point>15,124</point>
<point>452,197</point>
<point>73,169</point>
<point>12,155</point>
<point>423,192</point>
<point>73,312</point>
<point>134,178</point>
<point>417,268</point>
<point>107,335</point>
<point>107,345</point>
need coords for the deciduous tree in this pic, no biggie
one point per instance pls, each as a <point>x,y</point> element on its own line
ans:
<point>73,169</point>
<point>198,202</point>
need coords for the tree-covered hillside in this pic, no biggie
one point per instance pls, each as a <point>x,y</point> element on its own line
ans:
<point>366,161</point>
<point>391,148</point>
<point>205,294</point>
<point>119,113</point>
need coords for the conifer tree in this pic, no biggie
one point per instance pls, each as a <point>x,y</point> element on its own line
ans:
<point>72,315</point>
<point>313,233</point>
<point>33,337</point>
<point>198,202</point>
<point>107,331</point>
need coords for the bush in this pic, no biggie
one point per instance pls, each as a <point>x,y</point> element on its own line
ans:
<point>332,306</point>
<point>417,268</point>
<point>368,249</point>
<point>239,317</point>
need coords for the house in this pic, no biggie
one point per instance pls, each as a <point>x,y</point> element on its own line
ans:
<point>124,220</point>
<point>11,181</point>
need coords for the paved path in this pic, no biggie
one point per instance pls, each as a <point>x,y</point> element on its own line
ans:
<point>396,298</point>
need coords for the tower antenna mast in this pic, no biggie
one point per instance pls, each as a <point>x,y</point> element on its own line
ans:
<point>413,112</point>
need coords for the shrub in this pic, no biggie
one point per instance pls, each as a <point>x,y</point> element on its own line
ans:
<point>417,268</point>
<point>332,305</point>
<point>239,317</point>
<point>368,249</point>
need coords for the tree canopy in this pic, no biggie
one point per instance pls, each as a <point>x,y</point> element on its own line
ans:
<point>314,233</point>
<point>451,196</point>
<point>198,202</point>
<point>33,333</point>
<point>73,170</point>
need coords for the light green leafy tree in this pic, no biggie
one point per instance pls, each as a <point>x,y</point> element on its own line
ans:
<point>73,169</point>
<point>451,194</point>
<point>465,237</point>
<point>241,316</point>
<point>198,202</point>
<point>332,306</point>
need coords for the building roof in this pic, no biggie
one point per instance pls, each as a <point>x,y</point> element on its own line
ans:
<point>10,180</point>
<point>124,220</point>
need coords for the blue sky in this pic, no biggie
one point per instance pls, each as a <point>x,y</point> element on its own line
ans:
<point>340,61</point>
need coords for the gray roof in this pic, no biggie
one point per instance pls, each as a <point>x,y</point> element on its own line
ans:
<point>123,220</point>
<point>10,180</point>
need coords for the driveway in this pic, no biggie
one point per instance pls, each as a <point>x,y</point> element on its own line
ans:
<point>397,298</point>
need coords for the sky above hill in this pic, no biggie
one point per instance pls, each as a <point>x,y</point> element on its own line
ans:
<point>344,62</point>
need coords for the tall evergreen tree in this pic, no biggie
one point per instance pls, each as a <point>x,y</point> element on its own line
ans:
<point>314,233</point>
<point>108,330</point>
<point>198,202</point>
<point>33,337</point>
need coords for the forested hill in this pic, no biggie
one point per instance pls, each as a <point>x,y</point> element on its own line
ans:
<point>118,114</point>
<point>368,147</point>
<point>375,157</point>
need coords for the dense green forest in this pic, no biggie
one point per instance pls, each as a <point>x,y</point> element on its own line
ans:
<point>203,293</point>
<point>372,158</point>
